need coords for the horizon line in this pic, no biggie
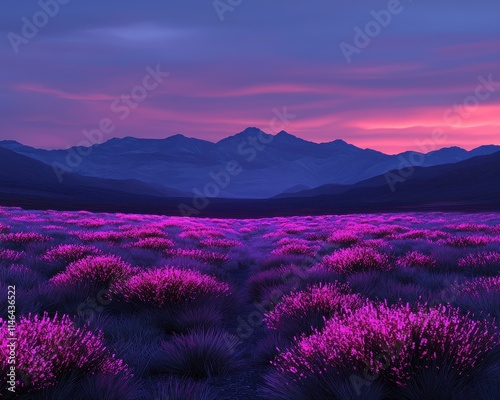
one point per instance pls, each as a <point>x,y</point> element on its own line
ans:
<point>243,131</point>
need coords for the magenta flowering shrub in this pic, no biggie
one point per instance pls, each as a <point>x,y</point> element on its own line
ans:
<point>248,229</point>
<point>344,238</point>
<point>28,218</point>
<point>481,285</point>
<point>70,253</point>
<point>200,255</point>
<point>293,229</point>
<point>323,300</point>
<point>318,236</point>
<point>376,243</point>
<point>466,241</point>
<point>294,246</point>
<point>468,227</point>
<point>154,243</point>
<point>143,232</point>
<point>168,286</point>
<point>105,236</point>
<point>132,217</point>
<point>416,259</point>
<point>54,227</point>
<point>92,223</point>
<point>430,235</point>
<point>200,233</point>
<point>480,260</point>
<point>191,234</point>
<point>295,249</point>
<point>94,270</point>
<point>274,235</point>
<point>385,230</point>
<point>88,222</point>
<point>10,255</point>
<point>23,238</point>
<point>356,259</point>
<point>216,242</point>
<point>393,343</point>
<point>49,348</point>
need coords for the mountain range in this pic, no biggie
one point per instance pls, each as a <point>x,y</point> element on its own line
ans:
<point>267,165</point>
<point>457,179</point>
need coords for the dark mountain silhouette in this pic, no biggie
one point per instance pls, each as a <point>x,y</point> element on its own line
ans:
<point>478,175</point>
<point>270,164</point>
<point>22,175</point>
<point>470,185</point>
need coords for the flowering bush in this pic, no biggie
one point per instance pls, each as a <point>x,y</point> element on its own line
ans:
<point>54,227</point>
<point>478,286</point>
<point>293,246</point>
<point>293,228</point>
<point>345,238</point>
<point>384,230</point>
<point>49,348</point>
<point>154,243</point>
<point>142,232</point>
<point>480,260</point>
<point>28,218</point>
<point>320,301</point>
<point>274,235</point>
<point>249,229</point>
<point>10,255</point>
<point>318,236</point>
<point>94,270</point>
<point>224,243</point>
<point>466,241</point>
<point>416,259</point>
<point>467,227</point>
<point>200,255</point>
<point>356,259</point>
<point>106,236</point>
<point>70,253</point>
<point>393,343</point>
<point>168,286</point>
<point>23,238</point>
<point>88,222</point>
<point>430,235</point>
<point>200,233</point>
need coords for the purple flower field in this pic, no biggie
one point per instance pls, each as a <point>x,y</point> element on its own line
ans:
<point>121,306</point>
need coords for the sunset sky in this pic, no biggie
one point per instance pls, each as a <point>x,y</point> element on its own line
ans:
<point>230,68</point>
